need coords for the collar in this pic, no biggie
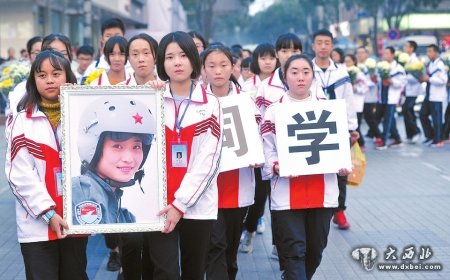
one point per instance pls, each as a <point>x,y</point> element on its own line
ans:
<point>34,112</point>
<point>234,90</point>
<point>274,79</point>
<point>198,94</point>
<point>332,66</point>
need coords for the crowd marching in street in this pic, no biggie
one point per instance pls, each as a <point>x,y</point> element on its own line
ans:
<point>211,215</point>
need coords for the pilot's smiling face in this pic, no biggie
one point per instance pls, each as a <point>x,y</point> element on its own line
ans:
<point>120,160</point>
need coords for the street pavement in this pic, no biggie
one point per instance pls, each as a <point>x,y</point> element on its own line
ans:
<point>403,202</point>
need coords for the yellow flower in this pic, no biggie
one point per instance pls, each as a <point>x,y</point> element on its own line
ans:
<point>93,76</point>
<point>370,63</point>
<point>403,58</point>
<point>5,71</point>
<point>384,65</point>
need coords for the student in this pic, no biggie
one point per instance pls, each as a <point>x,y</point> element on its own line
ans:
<point>141,52</point>
<point>110,27</point>
<point>412,90</point>
<point>193,121</point>
<point>302,224</point>
<point>85,55</point>
<point>113,148</point>
<point>246,53</point>
<point>265,63</point>
<point>134,257</point>
<point>33,48</point>
<point>236,187</point>
<point>370,96</point>
<point>246,73</point>
<point>336,84</point>
<point>199,41</point>
<point>390,94</point>
<point>338,56</point>
<point>115,52</point>
<point>360,88</point>
<point>60,43</point>
<point>435,94</point>
<point>33,166</point>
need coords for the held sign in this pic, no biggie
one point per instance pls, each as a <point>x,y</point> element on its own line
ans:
<point>312,137</point>
<point>242,144</point>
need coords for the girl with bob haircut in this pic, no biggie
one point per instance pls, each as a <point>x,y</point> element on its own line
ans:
<point>301,206</point>
<point>59,43</point>
<point>199,41</point>
<point>193,127</point>
<point>33,166</point>
<point>236,187</point>
<point>141,52</point>
<point>115,52</point>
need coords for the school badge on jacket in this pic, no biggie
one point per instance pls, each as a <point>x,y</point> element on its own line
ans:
<point>88,213</point>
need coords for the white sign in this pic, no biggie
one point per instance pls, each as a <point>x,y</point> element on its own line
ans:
<point>242,144</point>
<point>312,137</point>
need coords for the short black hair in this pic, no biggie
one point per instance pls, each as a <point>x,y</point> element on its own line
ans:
<point>434,47</point>
<point>149,39</point>
<point>341,54</point>
<point>323,32</point>
<point>391,49</point>
<point>246,62</point>
<point>287,41</point>
<point>32,97</point>
<point>33,41</point>
<point>86,49</point>
<point>110,44</point>
<point>187,44</point>
<point>227,52</point>
<point>295,57</point>
<point>195,34</point>
<point>260,51</point>
<point>113,23</point>
<point>58,37</point>
<point>413,44</point>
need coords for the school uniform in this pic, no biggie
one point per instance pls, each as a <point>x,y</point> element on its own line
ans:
<point>103,80</point>
<point>301,206</point>
<point>251,85</point>
<point>412,90</point>
<point>435,94</point>
<point>360,89</point>
<point>236,191</point>
<point>195,128</point>
<point>32,165</point>
<point>370,104</point>
<point>389,98</point>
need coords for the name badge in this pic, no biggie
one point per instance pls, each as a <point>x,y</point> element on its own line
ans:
<point>179,154</point>
<point>58,181</point>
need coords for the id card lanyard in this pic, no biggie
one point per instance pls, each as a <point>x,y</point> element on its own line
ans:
<point>179,120</point>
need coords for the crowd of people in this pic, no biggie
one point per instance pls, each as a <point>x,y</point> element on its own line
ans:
<point>205,227</point>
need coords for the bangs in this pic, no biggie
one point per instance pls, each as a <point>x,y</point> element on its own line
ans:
<point>56,62</point>
<point>289,41</point>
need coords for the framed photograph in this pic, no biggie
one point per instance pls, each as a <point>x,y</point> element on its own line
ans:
<point>312,137</point>
<point>113,159</point>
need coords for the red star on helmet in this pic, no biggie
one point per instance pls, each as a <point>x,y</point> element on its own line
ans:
<point>137,118</point>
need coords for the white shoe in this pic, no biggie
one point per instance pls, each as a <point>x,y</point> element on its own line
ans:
<point>244,233</point>
<point>261,227</point>
<point>247,243</point>
<point>415,138</point>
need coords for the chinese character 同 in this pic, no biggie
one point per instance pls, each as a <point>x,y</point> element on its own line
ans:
<point>425,253</point>
<point>231,115</point>
<point>408,253</point>
<point>315,147</point>
<point>391,254</point>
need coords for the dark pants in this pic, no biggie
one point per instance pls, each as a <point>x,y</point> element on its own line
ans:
<point>256,211</point>
<point>132,255</point>
<point>54,260</point>
<point>431,131</point>
<point>342,184</point>
<point>446,131</point>
<point>409,117</point>
<point>303,235</point>
<point>112,240</point>
<point>370,115</point>
<point>389,125</point>
<point>361,141</point>
<point>191,238</point>
<point>223,248</point>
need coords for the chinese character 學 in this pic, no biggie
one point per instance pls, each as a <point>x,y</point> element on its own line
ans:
<point>425,253</point>
<point>315,147</point>
<point>408,253</point>
<point>389,254</point>
<point>231,115</point>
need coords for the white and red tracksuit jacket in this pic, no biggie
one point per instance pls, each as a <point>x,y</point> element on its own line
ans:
<point>302,192</point>
<point>193,190</point>
<point>31,160</point>
<point>272,89</point>
<point>237,187</point>
<point>103,80</point>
